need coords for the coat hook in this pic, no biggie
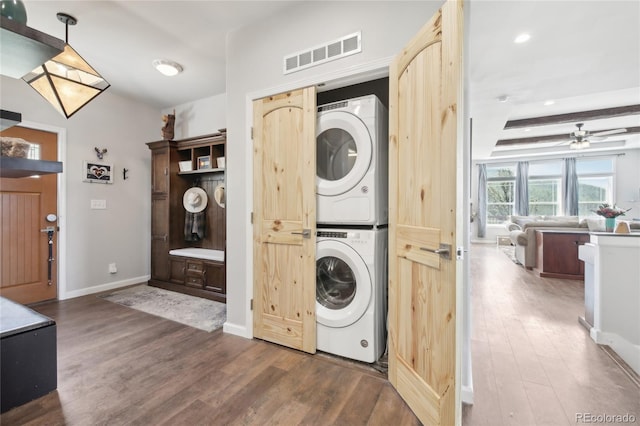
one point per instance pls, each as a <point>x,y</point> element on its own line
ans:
<point>124,173</point>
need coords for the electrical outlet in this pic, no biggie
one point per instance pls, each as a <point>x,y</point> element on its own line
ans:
<point>112,268</point>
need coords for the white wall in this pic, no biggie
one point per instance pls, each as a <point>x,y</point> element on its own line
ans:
<point>254,68</point>
<point>199,117</point>
<point>95,238</point>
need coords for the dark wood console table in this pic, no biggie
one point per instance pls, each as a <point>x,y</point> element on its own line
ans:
<point>557,255</point>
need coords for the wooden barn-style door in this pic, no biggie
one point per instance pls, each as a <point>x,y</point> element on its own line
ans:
<point>284,220</point>
<point>26,273</point>
<point>425,86</point>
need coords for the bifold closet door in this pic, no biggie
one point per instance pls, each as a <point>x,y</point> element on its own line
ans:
<point>284,219</point>
<point>425,110</point>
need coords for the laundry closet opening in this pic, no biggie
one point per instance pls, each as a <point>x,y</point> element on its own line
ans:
<point>351,221</point>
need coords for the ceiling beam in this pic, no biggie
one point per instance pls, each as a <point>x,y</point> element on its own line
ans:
<point>573,117</point>
<point>561,137</point>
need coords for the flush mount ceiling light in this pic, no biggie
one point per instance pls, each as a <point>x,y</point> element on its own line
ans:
<point>522,38</point>
<point>67,81</point>
<point>167,67</point>
<point>503,98</point>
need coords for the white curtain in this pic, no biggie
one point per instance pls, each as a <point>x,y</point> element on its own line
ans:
<point>482,200</point>
<point>522,189</point>
<point>570,187</point>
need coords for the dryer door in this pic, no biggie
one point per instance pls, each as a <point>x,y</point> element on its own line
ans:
<point>343,152</point>
<point>343,284</point>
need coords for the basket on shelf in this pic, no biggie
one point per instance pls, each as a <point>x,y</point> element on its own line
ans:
<point>14,147</point>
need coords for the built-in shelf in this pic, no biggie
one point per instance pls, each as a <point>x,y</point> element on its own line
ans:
<point>195,172</point>
<point>22,49</point>
<point>11,167</point>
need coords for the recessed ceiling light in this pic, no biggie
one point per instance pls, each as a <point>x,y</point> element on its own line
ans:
<point>549,102</point>
<point>522,38</point>
<point>528,129</point>
<point>503,98</point>
<point>167,67</point>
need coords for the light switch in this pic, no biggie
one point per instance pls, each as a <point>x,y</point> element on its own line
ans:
<point>98,204</point>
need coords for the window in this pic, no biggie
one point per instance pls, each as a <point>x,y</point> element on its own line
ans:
<point>500,193</point>
<point>544,188</point>
<point>595,184</point>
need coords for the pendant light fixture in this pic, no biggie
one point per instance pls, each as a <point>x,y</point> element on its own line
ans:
<point>67,81</point>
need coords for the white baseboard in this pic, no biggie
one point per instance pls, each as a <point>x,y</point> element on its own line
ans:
<point>103,287</point>
<point>237,330</point>
<point>625,349</point>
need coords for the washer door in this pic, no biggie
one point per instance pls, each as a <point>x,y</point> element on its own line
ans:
<point>343,284</point>
<point>343,152</point>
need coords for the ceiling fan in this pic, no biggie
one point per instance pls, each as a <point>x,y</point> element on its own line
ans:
<point>580,139</point>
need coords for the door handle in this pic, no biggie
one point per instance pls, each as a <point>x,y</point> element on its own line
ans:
<point>306,233</point>
<point>444,250</point>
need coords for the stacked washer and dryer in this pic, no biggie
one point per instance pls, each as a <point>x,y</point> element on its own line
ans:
<point>352,217</point>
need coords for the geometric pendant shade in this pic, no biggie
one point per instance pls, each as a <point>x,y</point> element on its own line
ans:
<point>67,81</point>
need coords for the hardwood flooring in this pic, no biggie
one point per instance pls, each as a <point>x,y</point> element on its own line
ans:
<point>533,364</point>
<point>119,366</point>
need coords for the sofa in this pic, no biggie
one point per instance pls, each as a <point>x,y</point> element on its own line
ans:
<point>522,233</point>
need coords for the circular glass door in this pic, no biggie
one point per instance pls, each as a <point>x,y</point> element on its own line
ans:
<point>343,152</point>
<point>343,286</point>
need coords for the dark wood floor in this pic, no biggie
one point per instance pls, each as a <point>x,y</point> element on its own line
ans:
<point>533,364</point>
<point>120,366</point>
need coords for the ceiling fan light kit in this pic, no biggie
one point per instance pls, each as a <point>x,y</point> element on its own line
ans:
<point>67,81</point>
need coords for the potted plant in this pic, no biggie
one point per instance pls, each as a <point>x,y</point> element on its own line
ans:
<point>610,213</point>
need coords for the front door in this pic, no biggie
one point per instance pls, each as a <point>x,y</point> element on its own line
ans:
<point>284,221</point>
<point>424,125</point>
<point>27,275</point>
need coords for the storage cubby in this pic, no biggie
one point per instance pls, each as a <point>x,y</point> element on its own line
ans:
<point>203,153</point>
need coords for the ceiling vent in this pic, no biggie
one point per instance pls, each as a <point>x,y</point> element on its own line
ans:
<point>345,46</point>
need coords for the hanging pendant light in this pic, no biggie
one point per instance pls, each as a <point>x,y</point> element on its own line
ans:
<point>67,81</point>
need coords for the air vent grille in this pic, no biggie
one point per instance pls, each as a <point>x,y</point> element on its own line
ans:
<point>335,49</point>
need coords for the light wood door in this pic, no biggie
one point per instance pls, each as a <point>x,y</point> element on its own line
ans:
<point>24,206</point>
<point>424,106</point>
<point>284,219</point>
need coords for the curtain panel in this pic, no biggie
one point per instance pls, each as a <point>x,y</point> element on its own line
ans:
<point>482,200</point>
<point>522,189</point>
<point>570,187</point>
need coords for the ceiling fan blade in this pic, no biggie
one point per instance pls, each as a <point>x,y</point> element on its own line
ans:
<point>609,132</point>
<point>594,138</point>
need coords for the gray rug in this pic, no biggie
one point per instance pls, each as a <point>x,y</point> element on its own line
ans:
<point>510,251</point>
<point>207,315</point>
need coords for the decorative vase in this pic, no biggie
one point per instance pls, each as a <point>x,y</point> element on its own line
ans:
<point>14,10</point>
<point>609,223</point>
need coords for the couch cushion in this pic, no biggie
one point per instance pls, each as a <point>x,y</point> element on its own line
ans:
<point>551,224</point>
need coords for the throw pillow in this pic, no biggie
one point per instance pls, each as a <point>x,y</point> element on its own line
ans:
<point>595,224</point>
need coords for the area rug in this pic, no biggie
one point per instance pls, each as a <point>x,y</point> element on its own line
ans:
<point>510,251</point>
<point>204,314</point>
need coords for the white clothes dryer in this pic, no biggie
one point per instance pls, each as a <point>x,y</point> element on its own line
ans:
<point>352,162</point>
<point>351,292</point>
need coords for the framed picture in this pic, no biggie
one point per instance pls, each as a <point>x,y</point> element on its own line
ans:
<point>204,162</point>
<point>97,173</point>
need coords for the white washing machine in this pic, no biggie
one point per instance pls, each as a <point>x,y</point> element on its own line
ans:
<point>352,143</point>
<point>351,292</point>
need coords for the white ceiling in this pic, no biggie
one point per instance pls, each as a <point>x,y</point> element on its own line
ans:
<point>582,54</point>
